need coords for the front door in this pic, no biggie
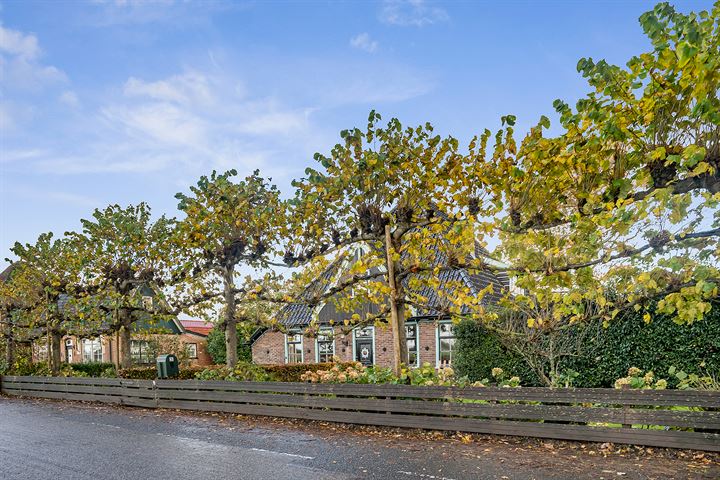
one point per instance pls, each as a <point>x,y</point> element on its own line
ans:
<point>364,351</point>
<point>68,351</point>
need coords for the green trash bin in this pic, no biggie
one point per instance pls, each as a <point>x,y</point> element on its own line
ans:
<point>167,366</point>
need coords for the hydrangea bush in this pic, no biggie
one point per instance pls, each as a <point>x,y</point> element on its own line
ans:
<point>426,375</point>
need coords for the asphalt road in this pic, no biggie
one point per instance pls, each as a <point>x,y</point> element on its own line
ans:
<point>53,440</point>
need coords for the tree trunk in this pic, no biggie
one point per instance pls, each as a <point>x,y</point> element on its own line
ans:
<point>9,352</point>
<point>124,347</point>
<point>231,340</point>
<point>397,308</point>
<point>9,345</point>
<point>54,353</point>
<point>117,350</point>
<point>47,344</point>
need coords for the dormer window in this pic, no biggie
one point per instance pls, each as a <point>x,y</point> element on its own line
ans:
<point>147,302</point>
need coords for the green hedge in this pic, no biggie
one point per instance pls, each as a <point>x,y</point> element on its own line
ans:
<point>627,342</point>
<point>478,351</point>
<point>656,346</point>
<point>95,369</point>
<point>150,373</point>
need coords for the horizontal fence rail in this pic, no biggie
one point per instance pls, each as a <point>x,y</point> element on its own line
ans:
<point>659,418</point>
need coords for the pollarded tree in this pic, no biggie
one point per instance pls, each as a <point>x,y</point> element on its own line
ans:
<point>622,207</point>
<point>19,295</point>
<point>48,272</point>
<point>401,195</point>
<point>228,224</point>
<point>127,258</point>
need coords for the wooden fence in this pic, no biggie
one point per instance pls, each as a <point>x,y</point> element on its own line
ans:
<point>661,418</point>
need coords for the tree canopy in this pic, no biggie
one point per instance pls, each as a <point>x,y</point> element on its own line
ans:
<point>227,224</point>
<point>616,209</point>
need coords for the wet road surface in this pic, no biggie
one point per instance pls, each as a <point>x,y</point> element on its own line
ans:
<point>53,440</point>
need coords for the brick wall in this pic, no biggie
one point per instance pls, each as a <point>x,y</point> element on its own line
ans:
<point>343,345</point>
<point>384,350</point>
<point>427,339</point>
<point>427,344</point>
<point>110,349</point>
<point>203,357</point>
<point>270,347</point>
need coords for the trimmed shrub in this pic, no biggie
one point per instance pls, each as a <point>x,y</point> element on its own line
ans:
<point>150,373</point>
<point>478,352</point>
<point>95,369</point>
<point>243,372</point>
<point>189,373</point>
<point>138,373</point>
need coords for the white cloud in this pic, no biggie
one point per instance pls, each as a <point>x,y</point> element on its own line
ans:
<point>134,3</point>
<point>415,13</point>
<point>21,73</point>
<point>19,62</point>
<point>69,198</point>
<point>14,115</point>
<point>363,41</point>
<point>386,83</point>
<point>176,12</point>
<point>284,122</point>
<point>191,87</point>
<point>6,123</point>
<point>98,159</point>
<point>69,98</point>
<point>8,156</point>
<point>183,125</point>
<point>161,122</point>
<point>53,196</point>
<point>16,43</point>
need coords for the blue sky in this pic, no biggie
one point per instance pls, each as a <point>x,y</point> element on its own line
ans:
<point>124,101</point>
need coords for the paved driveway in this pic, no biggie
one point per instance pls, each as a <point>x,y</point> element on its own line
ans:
<point>55,440</point>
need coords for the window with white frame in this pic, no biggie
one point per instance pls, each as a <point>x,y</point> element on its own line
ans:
<point>294,347</point>
<point>191,350</point>
<point>92,350</point>
<point>446,344</point>
<point>141,352</point>
<point>411,337</point>
<point>325,345</point>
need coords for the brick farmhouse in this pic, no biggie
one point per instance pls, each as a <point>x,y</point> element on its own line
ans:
<point>430,335</point>
<point>144,344</point>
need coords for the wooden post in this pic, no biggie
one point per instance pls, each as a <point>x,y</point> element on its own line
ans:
<point>626,408</point>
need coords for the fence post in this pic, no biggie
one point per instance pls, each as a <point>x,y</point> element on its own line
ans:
<point>626,409</point>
